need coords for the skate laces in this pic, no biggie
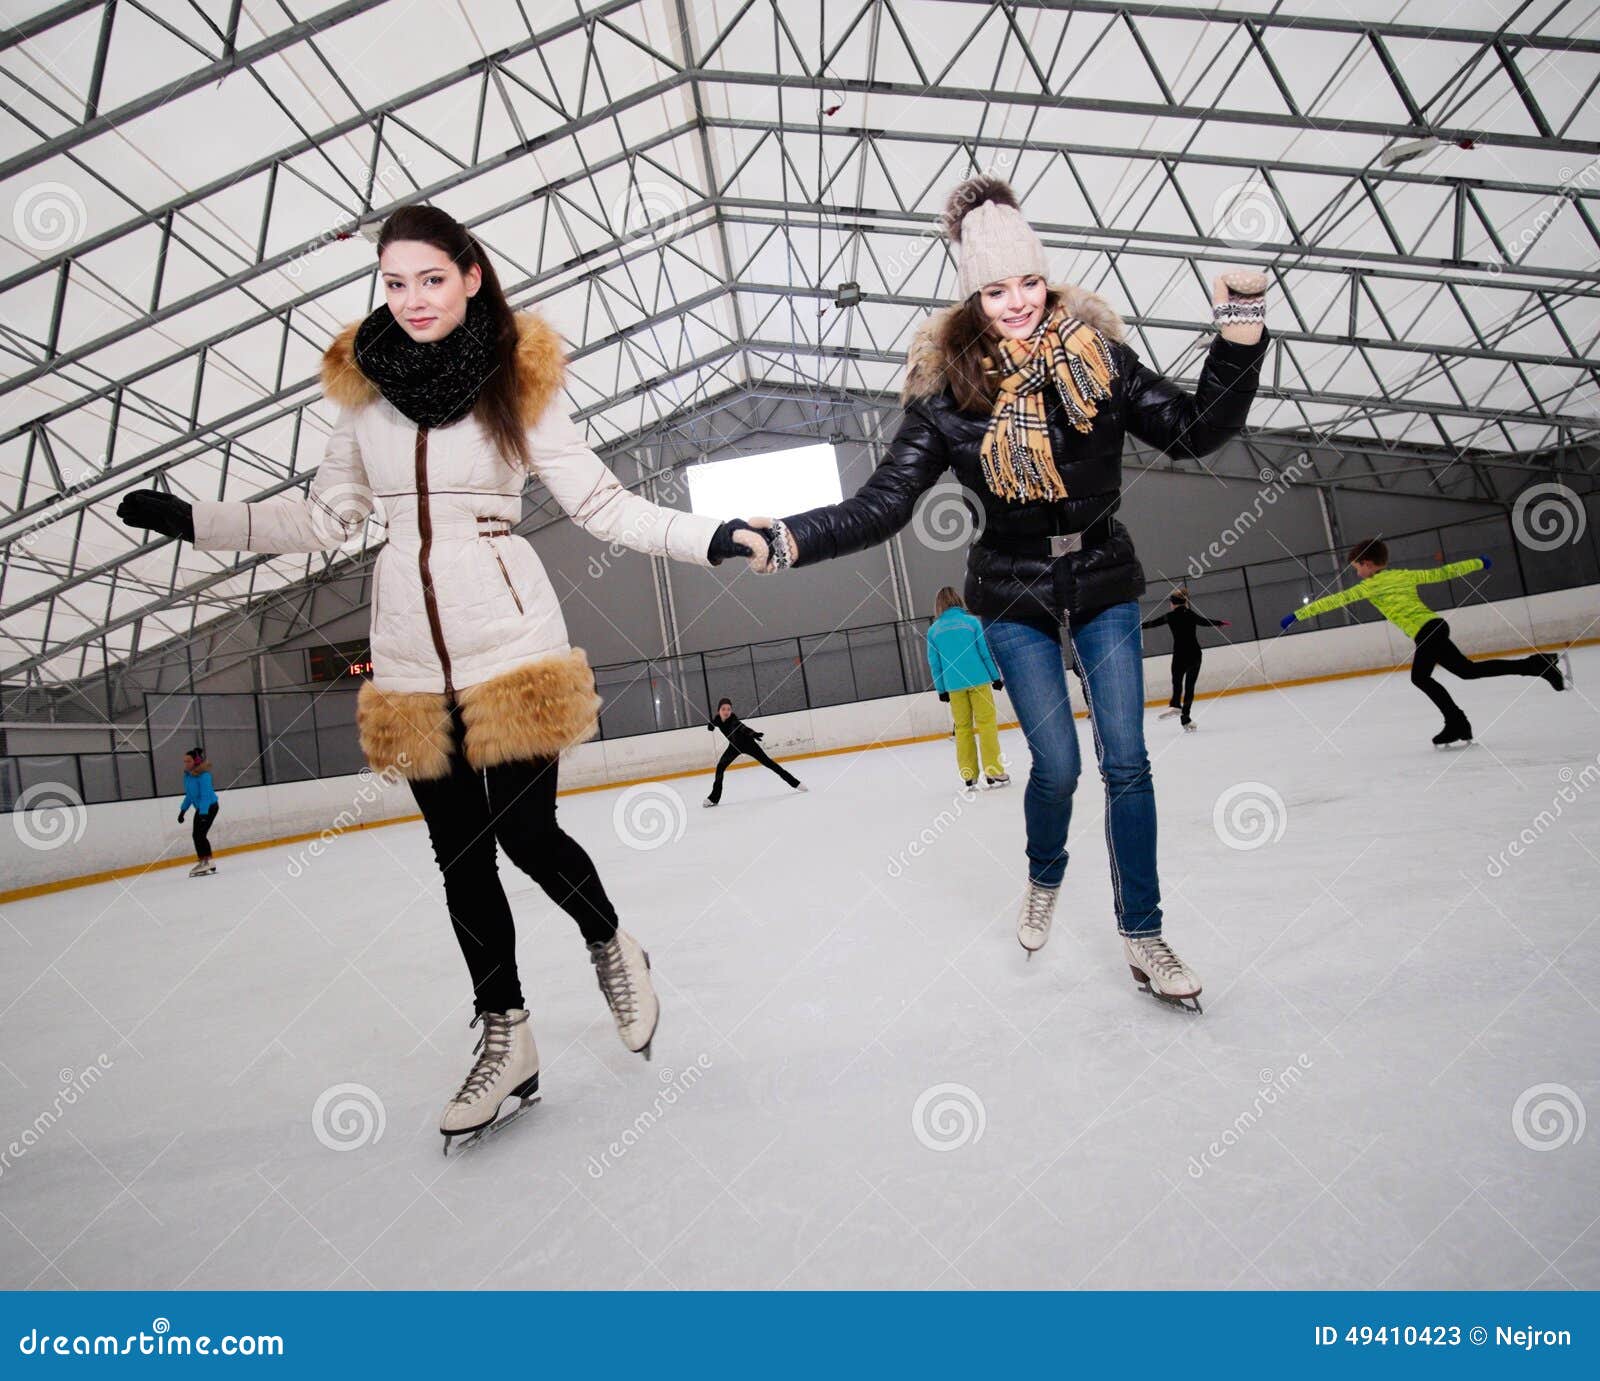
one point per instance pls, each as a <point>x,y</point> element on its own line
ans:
<point>495,1047</point>
<point>1158,954</point>
<point>1041,903</point>
<point>615,980</point>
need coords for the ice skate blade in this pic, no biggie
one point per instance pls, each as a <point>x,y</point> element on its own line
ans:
<point>527,1093</point>
<point>1190,1003</point>
<point>462,1140</point>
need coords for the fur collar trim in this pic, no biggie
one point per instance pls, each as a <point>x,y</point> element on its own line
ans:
<point>541,368</point>
<point>925,360</point>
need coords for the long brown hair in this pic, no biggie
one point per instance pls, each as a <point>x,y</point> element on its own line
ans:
<point>499,405</point>
<point>965,340</point>
<point>947,599</point>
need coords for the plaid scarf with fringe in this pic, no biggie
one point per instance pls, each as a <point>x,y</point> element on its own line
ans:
<point>1016,455</point>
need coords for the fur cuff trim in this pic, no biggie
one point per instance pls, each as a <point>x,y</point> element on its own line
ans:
<point>535,711</point>
<point>406,731</point>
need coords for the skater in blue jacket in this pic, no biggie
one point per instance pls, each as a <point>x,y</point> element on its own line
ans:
<point>200,794</point>
<point>966,677</point>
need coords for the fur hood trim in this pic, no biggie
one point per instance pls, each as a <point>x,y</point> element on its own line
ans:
<point>534,711</point>
<point>925,360</point>
<point>541,368</point>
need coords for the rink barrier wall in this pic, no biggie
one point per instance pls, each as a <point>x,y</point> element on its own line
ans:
<point>122,839</point>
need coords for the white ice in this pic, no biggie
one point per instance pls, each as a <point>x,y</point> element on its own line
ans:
<point>1415,981</point>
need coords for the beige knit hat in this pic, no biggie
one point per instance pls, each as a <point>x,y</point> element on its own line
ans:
<point>992,237</point>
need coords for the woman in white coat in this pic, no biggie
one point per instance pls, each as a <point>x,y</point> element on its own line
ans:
<point>448,401</point>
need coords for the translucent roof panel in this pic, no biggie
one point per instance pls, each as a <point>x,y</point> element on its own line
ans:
<point>684,189</point>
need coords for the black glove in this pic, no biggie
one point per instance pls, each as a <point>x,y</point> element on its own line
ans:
<point>998,684</point>
<point>164,513</point>
<point>722,544</point>
<point>180,817</point>
<point>945,696</point>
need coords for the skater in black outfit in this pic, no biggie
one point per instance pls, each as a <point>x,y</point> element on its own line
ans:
<point>1183,621</point>
<point>741,739</point>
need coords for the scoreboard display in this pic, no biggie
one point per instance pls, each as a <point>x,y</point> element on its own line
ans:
<point>339,662</point>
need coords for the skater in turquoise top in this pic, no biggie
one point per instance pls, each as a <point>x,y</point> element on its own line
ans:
<point>199,794</point>
<point>1393,593</point>
<point>966,677</point>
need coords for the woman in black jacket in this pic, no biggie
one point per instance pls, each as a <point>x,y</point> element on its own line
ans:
<point>1027,390</point>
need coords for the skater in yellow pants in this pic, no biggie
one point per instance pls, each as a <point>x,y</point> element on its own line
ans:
<point>966,677</point>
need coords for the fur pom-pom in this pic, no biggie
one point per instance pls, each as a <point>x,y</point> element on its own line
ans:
<point>974,192</point>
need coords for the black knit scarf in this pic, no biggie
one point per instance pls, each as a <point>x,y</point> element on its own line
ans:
<point>434,383</point>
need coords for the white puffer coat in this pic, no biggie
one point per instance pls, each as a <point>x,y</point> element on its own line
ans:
<point>461,609</point>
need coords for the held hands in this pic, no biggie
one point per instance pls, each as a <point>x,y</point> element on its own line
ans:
<point>159,512</point>
<point>1238,304</point>
<point>765,526</point>
<point>737,538</point>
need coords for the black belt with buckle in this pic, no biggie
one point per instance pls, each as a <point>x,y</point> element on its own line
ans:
<point>1048,545</point>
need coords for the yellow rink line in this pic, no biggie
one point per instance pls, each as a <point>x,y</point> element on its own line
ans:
<point>89,879</point>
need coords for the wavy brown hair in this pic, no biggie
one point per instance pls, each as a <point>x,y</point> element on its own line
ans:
<point>499,405</point>
<point>965,340</point>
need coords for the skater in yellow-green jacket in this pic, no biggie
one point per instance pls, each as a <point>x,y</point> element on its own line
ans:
<point>1393,593</point>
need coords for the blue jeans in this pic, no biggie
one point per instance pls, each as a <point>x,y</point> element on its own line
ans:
<point>1107,652</point>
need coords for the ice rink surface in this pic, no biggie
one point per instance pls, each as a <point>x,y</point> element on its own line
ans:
<point>858,1081</point>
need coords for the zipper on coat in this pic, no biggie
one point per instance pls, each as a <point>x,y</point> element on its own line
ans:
<point>424,551</point>
<point>507,576</point>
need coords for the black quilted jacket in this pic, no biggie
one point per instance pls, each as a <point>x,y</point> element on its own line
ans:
<point>935,436</point>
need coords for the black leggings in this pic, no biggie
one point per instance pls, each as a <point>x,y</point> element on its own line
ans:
<point>514,803</point>
<point>202,827</point>
<point>1185,672</point>
<point>759,754</point>
<point>1434,649</point>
